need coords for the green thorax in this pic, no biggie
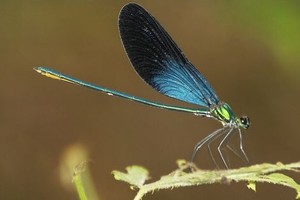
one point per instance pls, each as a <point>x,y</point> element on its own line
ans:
<point>223,113</point>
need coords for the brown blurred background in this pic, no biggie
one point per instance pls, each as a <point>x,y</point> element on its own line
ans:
<point>248,50</point>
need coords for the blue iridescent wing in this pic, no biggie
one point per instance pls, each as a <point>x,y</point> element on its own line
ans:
<point>159,61</point>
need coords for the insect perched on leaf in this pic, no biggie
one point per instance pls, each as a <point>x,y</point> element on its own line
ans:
<point>161,64</point>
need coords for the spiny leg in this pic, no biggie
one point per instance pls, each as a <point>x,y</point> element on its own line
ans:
<point>203,141</point>
<point>209,149</point>
<point>232,149</point>
<point>243,156</point>
<point>227,145</point>
<point>221,144</point>
<point>241,146</point>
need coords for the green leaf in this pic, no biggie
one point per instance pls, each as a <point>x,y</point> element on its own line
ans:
<point>135,176</point>
<point>251,185</point>
<point>278,178</point>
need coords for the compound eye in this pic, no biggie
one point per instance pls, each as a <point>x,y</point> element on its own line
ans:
<point>245,121</point>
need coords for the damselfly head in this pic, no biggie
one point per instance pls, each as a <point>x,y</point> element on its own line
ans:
<point>245,122</point>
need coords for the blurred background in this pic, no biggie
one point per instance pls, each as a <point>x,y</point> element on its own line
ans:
<point>248,50</point>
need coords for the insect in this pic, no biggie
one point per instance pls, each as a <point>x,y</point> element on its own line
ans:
<point>161,64</point>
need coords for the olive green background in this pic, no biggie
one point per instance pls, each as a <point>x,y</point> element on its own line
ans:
<point>248,51</point>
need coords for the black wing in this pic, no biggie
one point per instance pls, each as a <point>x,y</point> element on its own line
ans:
<point>159,61</point>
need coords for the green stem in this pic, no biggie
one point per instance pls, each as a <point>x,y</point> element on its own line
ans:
<point>262,173</point>
<point>79,186</point>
